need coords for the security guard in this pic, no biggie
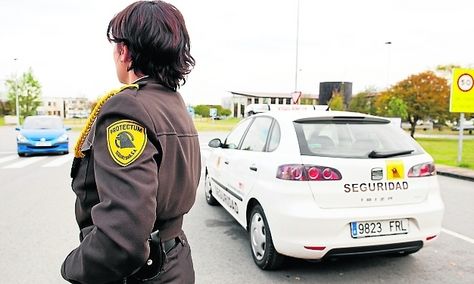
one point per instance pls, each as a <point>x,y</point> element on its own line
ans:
<point>137,162</point>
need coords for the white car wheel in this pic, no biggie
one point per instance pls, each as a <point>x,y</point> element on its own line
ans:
<point>263,251</point>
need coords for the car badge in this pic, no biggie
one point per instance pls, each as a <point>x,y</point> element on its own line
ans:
<point>377,173</point>
<point>43,139</point>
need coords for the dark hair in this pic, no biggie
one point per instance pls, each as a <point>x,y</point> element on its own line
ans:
<point>157,38</point>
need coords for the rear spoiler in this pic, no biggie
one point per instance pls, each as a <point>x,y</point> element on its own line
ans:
<point>259,108</point>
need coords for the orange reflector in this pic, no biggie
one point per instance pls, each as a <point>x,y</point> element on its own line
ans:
<point>430,237</point>
<point>314,248</point>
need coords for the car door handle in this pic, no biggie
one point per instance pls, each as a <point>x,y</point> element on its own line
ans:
<point>253,168</point>
<point>226,162</point>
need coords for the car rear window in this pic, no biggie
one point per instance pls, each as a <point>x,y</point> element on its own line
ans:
<point>353,138</point>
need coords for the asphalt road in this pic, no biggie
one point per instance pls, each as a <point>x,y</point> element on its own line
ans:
<point>37,230</point>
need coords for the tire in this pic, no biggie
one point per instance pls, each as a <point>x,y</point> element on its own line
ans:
<point>22,154</point>
<point>208,192</point>
<point>263,251</point>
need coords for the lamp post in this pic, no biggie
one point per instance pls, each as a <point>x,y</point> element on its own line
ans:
<point>388,43</point>
<point>16,98</point>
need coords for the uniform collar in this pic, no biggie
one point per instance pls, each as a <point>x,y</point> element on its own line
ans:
<point>141,81</point>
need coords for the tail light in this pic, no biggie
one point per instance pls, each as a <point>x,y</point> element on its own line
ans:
<point>307,173</point>
<point>422,170</point>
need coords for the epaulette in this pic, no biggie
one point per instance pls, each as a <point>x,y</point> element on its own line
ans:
<point>93,115</point>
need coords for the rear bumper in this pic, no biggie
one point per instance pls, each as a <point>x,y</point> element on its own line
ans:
<point>25,148</point>
<point>303,230</point>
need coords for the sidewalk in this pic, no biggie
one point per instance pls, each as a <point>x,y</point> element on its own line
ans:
<point>455,172</point>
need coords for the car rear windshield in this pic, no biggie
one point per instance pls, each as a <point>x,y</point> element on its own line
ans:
<point>353,138</point>
<point>33,122</point>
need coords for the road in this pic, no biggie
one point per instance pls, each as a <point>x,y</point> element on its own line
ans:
<point>38,230</point>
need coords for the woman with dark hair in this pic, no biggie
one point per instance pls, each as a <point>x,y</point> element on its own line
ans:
<point>137,161</point>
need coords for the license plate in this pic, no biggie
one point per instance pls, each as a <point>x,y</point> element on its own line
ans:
<point>43,144</point>
<point>379,228</point>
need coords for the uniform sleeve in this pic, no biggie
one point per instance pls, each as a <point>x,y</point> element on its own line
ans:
<point>127,181</point>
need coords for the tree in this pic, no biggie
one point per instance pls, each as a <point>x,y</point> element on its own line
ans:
<point>202,110</point>
<point>337,101</point>
<point>397,108</point>
<point>425,95</point>
<point>363,102</point>
<point>225,112</point>
<point>28,90</point>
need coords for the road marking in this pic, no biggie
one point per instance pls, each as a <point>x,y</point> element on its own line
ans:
<point>58,161</point>
<point>457,235</point>
<point>24,162</point>
<point>8,158</point>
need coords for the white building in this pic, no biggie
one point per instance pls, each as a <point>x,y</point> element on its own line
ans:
<point>240,100</point>
<point>65,107</point>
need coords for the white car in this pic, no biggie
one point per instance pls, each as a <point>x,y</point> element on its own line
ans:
<point>319,184</point>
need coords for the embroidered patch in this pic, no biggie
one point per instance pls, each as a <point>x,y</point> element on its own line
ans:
<point>126,141</point>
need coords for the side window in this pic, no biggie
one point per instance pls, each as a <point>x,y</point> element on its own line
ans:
<point>257,135</point>
<point>274,138</point>
<point>233,139</point>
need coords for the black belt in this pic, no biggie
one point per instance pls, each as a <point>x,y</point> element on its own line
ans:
<point>170,244</point>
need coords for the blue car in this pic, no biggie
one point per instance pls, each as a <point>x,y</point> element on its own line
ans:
<point>42,134</point>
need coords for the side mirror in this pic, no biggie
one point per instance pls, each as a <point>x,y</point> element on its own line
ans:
<point>215,143</point>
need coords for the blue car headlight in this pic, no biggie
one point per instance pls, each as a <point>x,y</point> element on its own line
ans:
<point>21,139</point>
<point>63,138</point>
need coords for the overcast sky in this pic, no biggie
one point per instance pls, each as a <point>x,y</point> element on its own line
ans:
<point>245,45</point>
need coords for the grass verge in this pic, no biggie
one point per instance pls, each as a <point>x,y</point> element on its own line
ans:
<point>2,120</point>
<point>207,124</point>
<point>445,151</point>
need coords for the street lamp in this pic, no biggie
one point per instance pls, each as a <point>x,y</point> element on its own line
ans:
<point>388,43</point>
<point>16,98</point>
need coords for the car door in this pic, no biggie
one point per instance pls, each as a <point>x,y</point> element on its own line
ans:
<point>221,168</point>
<point>251,156</point>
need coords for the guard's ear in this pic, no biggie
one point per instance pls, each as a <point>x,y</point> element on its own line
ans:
<point>124,53</point>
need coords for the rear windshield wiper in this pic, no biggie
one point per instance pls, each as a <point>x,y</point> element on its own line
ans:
<point>387,154</point>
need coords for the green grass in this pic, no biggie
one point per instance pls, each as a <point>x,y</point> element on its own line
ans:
<point>445,151</point>
<point>75,123</point>
<point>207,124</point>
<point>2,120</point>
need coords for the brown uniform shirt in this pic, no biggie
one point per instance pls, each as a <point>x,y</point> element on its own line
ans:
<point>140,172</point>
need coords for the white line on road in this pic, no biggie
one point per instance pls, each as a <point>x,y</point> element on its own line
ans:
<point>457,235</point>
<point>24,162</point>
<point>58,161</point>
<point>8,158</point>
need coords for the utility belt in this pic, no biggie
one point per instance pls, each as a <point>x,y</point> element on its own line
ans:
<point>158,251</point>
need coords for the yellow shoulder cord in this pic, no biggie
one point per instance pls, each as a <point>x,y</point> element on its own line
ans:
<point>90,120</point>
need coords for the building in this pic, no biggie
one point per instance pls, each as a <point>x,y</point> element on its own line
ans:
<point>65,107</point>
<point>51,106</point>
<point>76,108</point>
<point>328,89</point>
<point>240,100</point>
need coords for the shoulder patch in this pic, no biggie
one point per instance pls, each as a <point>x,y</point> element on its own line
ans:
<point>126,140</point>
